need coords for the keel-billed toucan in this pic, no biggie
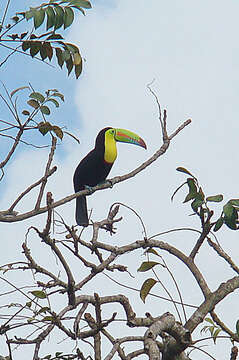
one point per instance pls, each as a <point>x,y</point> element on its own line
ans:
<point>95,167</point>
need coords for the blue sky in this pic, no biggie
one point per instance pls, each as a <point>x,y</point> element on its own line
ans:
<point>191,51</point>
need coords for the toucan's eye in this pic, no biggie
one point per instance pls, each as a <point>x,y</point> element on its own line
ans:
<point>112,131</point>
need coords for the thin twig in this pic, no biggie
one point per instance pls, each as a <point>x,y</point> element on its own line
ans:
<point>5,12</point>
<point>47,169</point>
<point>24,53</point>
<point>51,171</point>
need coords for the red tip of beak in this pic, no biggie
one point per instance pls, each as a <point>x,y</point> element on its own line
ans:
<point>142,143</point>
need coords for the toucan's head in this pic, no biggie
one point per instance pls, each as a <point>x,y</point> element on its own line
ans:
<point>109,136</point>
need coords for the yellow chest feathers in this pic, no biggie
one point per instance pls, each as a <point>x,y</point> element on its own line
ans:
<point>110,148</point>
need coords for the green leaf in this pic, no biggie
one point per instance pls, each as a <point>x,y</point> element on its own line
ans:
<point>25,112</point>
<point>45,110</point>
<point>56,103</point>
<point>146,287</point>
<point>49,50</point>
<point>231,223</point>
<point>69,65</point>
<point>59,57</point>
<point>215,334</point>
<point>79,8</point>
<point>50,17</point>
<point>196,204</point>
<point>48,318</point>
<point>83,3</point>
<point>218,224</point>
<point>192,186</point>
<point>43,51</point>
<point>189,197</point>
<point>152,251</point>
<point>66,55</point>
<point>15,19</point>
<point>44,127</point>
<point>185,171</point>
<point>30,320</point>
<point>29,14</point>
<point>58,131</point>
<point>54,37</point>
<point>209,320</point>
<point>230,216</point>
<point>43,310</point>
<point>228,210</point>
<point>35,47</point>
<point>68,17</point>
<point>72,48</point>
<point>61,96</point>
<point>37,96</point>
<point>200,194</point>
<point>234,202</point>
<point>211,329</point>
<point>47,357</point>
<point>35,104</point>
<point>39,16</point>
<point>39,294</point>
<point>77,59</point>
<point>26,45</point>
<point>147,265</point>
<point>192,190</point>
<point>237,327</point>
<point>215,198</point>
<point>59,19</point>
<point>78,70</point>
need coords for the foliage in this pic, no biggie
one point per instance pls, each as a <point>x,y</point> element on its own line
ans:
<point>212,328</point>
<point>57,15</point>
<point>201,207</point>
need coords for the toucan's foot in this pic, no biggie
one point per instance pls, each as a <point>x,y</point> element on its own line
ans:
<point>87,187</point>
<point>109,182</point>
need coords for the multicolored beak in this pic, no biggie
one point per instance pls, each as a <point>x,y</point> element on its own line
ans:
<point>127,136</point>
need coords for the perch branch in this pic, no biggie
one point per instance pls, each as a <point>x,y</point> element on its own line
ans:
<point>6,217</point>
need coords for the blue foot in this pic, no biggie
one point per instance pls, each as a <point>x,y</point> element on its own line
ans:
<point>87,187</point>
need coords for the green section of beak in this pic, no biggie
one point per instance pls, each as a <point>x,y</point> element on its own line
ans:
<point>127,136</point>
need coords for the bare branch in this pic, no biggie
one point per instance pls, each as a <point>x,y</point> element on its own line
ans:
<point>222,253</point>
<point>51,171</point>
<point>4,217</point>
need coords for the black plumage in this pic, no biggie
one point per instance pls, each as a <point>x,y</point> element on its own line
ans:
<point>92,170</point>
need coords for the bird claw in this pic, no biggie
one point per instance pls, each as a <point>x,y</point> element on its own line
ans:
<point>109,182</point>
<point>89,188</point>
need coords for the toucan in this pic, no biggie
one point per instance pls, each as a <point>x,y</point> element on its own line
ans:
<point>94,167</point>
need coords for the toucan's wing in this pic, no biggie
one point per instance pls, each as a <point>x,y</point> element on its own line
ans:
<point>81,211</point>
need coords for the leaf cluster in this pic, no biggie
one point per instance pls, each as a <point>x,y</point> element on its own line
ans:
<point>56,15</point>
<point>200,203</point>
<point>212,328</point>
<point>38,101</point>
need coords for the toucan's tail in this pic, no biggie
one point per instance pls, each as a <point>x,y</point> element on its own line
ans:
<point>81,211</point>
